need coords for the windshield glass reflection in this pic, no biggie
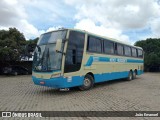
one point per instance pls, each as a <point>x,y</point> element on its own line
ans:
<point>45,56</point>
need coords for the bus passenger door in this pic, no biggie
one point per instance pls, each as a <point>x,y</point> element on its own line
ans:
<point>74,53</point>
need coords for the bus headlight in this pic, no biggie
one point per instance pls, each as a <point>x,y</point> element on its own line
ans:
<point>55,75</point>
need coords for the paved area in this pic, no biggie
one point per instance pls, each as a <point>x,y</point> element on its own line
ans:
<point>18,93</point>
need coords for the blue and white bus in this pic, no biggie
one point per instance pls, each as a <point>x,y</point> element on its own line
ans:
<point>68,58</point>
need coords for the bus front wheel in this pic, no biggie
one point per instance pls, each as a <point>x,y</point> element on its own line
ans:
<point>87,83</point>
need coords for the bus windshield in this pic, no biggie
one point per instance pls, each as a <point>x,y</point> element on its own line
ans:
<point>46,59</point>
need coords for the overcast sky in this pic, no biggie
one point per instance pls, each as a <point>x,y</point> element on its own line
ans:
<point>125,20</point>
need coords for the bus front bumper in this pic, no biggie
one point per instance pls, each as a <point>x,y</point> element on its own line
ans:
<point>59,82</point>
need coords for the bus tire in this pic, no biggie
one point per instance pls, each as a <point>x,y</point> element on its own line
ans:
<point>134,75</point>
<point>130,76</point>
<point>26,73</point>
<point>87,83</point>
<point>15,73</point>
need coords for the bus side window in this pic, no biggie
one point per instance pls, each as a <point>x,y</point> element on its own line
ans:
<point>115,48</point>
<point>140,53</point>
<point>94,44</point>
<point>108,47</point>
<point>134,52</point>
<point>120,49</point>
<point>127,51</point>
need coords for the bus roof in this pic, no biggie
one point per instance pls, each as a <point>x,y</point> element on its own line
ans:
<point>104,37</point>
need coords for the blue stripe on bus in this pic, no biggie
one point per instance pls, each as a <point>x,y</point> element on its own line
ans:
<point>104,59</point>
<point>107,59</point>
<point>134,61</point>
<point>89,62</point>
<point>61,82</point>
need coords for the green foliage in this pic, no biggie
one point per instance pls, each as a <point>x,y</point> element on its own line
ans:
<point>29,47</point>
<point>151,48</point>
<point>13,45</point>
<point>10,44</point>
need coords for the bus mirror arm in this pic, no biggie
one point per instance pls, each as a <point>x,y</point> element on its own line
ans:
<point>60,52</point>
<point>59,46</point>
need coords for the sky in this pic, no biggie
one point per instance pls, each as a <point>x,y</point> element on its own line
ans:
<point>124,20</point>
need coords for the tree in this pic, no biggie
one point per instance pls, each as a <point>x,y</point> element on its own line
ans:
<point>151,48</point>
<point>11,42</point>
<point>29,48</point>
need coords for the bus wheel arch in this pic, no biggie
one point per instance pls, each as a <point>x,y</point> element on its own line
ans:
<point>88,82</point>
<point>90,73</point>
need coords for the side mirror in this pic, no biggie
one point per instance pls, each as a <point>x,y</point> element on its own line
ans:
<point>58,45</point>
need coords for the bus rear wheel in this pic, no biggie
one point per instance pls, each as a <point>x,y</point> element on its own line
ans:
<point>87,83</point>
<point>134,75</point>
<point>15,73</point>
<point>130,76</point>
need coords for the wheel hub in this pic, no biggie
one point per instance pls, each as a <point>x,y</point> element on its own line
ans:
<point>86,82</point>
